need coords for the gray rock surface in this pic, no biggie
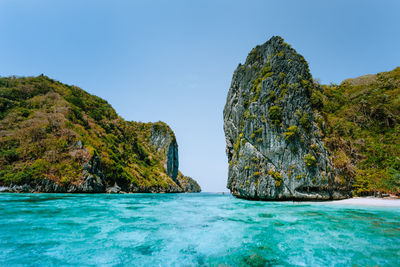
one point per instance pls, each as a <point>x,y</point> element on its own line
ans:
<point>273,144</point>
<point>93,177</point>
<point>4,189</point>
<point>164,139</point>
<point>114,189</point>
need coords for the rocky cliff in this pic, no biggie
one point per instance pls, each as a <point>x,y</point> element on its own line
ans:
<point>273,143</point>
<point>164,140</point>
<point>188,184</point>
<point>58,138</point>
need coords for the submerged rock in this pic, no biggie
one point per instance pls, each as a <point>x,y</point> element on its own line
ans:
<point>273,144</point>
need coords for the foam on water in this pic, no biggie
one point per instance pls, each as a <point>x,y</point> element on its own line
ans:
<point>192,229</point>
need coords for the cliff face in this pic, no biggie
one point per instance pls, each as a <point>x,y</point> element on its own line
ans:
<point>59,138</point>
<point>273,144</point>
<point>164,140</point>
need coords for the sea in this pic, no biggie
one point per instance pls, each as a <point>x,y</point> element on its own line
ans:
<point>193,229</point>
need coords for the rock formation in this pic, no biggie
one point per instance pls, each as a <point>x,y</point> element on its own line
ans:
<point>187,183</point>
<point>273,144</point>
<point>164,139</point>
<point>59,138</point>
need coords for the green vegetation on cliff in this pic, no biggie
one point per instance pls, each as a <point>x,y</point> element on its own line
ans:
<point>309,141</point>
<point>49,130</point>
<point>361,121</point>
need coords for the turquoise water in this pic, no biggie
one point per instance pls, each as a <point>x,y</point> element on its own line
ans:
<point>191,230</point>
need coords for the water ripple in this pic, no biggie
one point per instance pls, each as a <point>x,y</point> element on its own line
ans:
<point>190,230</point>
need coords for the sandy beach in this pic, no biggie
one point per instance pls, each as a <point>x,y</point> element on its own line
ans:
<point>369,201</point>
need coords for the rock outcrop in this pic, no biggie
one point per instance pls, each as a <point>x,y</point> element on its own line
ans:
<point>164,139</point>
<point>93,177</point>
<point>273,144</point>
<point>188,184</point>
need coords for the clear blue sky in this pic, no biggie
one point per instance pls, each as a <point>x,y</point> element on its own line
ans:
<point>173,60</point>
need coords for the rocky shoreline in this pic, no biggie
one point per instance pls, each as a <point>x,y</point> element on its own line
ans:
<point>48,186</point>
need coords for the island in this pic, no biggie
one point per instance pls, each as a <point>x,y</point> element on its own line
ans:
<point>58,138</point>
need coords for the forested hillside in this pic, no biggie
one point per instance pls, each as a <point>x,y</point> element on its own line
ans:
<point>56,137</point>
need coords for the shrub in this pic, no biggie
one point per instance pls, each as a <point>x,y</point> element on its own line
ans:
<point>277,177</point>
<point>258,131</point>
<point>305,121</point>
<point>236,146</point>
<point>5,104</point>
<point>314,147</point>
<point>21,176</point>
<point>309,160</point>
<point>266,72</point>
<point>291,132</point>
<point>317,99</point>
<point>10,155</point>
<point>272,96</point>
<point>275,114</point>
<point>281,75</point>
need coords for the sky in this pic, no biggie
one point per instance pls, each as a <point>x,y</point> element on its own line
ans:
<point>173,60</point>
